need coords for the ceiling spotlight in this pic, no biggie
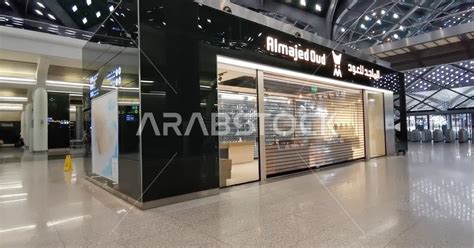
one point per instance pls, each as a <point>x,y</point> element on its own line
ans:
<point>89,2</point>
<point>38,12</point>
<point>7,3</point>
<point>111,8</point>
<point>343,30</point>
<point>40,4</point>
<point>395,16</point>
<point>383,12</point>
<point>402,28</point>
<point>74,8</point>
<point>379,22</point>
<point>98,14</point>
<point>303,3</point>
<point>84,20</point>
<point>318,8</point>
<point>363,26</point>
<point>367,18</point>
<point>51,17</point>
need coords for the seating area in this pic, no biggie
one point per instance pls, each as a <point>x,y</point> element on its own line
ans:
<point>437,136</point>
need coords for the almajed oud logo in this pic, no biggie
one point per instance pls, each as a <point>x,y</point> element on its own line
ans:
<point>337,64</point>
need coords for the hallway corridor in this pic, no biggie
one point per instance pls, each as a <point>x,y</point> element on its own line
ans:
<point>423,199</point>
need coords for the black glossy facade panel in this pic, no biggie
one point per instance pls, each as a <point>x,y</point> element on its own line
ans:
<point>180,41</point>
<point>58,120</point>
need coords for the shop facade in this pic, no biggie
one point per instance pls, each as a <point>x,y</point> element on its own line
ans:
<point>290,104</point>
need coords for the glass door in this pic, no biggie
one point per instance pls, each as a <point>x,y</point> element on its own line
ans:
<point>238,136</point>
<point>376,124</point>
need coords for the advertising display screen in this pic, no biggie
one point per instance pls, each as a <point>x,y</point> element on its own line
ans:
<point>105,136</point>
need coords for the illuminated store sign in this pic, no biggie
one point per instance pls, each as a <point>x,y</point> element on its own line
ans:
<point>297,53</point>
<point>310,55</point>
<point>361,70</point>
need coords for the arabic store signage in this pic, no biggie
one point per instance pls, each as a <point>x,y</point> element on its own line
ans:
<point>299,53</point>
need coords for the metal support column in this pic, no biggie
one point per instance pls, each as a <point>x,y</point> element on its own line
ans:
<point>261,125</point>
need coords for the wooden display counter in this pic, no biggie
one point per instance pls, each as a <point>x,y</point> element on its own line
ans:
<point>239,152</point>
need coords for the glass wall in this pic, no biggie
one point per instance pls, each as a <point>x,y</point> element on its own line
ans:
<point>110,64</point>
<point>438,122</point>
<point>461,121</point>
<point>442,122</point>
<point>238,149</point>
<point>376,124</point>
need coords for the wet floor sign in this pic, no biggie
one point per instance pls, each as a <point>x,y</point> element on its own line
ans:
<point>68,164</point>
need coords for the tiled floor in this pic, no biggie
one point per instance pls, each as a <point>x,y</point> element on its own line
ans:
<point>424,199</point>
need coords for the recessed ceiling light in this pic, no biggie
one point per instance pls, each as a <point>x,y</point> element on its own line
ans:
<point>51,17</point>
<point>111,8</point>
<point>367,18</point>
<point>303,3</point>
<point>89,2</point>
<point>379,22</point>
<point>318,8</point>
<point>396,16</point>
<point>74,8</point>
<point>40,4</point>
<point>7,3</point>
<point>38,12</point>
<point>382,12</point>
<point>98,14</point>
<point>84,20</point>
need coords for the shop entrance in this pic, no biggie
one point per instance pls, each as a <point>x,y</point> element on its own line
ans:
<point>237,106</point>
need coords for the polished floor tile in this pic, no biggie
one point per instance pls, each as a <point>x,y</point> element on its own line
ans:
<point>423,199</point>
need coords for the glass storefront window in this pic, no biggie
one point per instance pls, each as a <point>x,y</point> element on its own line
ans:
<point>376,124</point>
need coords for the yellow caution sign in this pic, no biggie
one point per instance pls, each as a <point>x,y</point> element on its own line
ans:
<point>68,164</point>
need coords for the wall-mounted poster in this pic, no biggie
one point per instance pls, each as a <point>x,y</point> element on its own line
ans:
<point>105,136</point>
